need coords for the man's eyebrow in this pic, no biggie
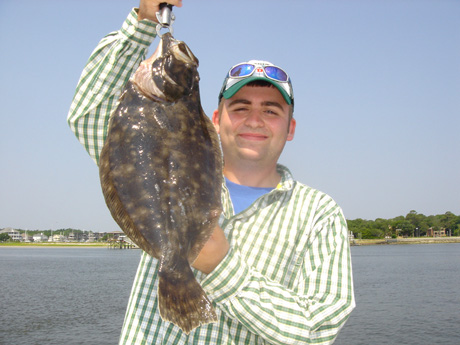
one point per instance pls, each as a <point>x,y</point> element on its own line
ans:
<point>240,100</point>
<point>272,104</point>
<point>266,104</point>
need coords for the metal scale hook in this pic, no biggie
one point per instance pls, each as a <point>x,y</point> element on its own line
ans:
<point>165,18</point>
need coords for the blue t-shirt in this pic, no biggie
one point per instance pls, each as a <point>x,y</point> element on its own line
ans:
<point>243,196</point>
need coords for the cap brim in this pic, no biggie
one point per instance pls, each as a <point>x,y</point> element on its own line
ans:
<point>232,90</point>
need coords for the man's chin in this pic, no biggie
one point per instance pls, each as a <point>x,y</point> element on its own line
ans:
<point>250,154</point>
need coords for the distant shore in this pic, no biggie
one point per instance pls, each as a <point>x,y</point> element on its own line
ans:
<point>355,242</point>
<point>55,244</point>
<point>411,240</point>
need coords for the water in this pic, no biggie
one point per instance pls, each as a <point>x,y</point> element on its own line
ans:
<point>406,294</point>
<point>64,295</point>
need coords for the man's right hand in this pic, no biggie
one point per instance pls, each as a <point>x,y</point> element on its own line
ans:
<point>149,8</point>
<point>213,252</point>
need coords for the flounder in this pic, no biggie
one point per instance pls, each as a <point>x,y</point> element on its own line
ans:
<point>161,175</point>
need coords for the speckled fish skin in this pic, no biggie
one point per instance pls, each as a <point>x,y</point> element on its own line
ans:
<point>161,175</point>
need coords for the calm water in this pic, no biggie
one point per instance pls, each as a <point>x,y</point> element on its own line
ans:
<point>64,295</point>
<point>407,294</point>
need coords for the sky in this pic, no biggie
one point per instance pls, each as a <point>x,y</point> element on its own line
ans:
<point>376,85</point>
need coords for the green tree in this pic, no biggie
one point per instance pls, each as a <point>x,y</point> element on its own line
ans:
<point>419,221</point>
<point>449,221</point>
<point>368,229</point>
<point>413,224</point>
<point>383,225</point>
<point>4,237</point>
<point>104,238</point>
<point>372,232</point>
<point>456,232</point>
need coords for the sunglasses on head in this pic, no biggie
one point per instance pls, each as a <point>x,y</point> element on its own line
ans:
<point>245,72</point>
<point>247,69</point>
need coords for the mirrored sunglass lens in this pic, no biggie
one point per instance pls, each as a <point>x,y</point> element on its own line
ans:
<point>276,73</point>
<point>241,70</point>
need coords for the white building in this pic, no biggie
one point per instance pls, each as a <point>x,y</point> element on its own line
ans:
<point>14,234</point>
<point>40,237</point>
<point>26,238</point>
<point>91,237</point>
<point>59,238</point>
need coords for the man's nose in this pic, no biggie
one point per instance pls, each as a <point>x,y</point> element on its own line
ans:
<point>254,119</point>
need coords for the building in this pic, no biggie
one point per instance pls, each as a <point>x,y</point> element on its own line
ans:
<point>57,238</point>
<point>40,237</point>
<point>92,237</point>
<point>436,233</point>
<point>115,234</point>
<point>14,234</point>
<point>26,237</point>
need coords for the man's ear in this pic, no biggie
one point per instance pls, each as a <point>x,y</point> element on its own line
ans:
<point>291,130</point>
<point>215,120</point>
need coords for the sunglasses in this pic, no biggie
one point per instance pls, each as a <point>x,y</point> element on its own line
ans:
<point>246,69</point>
<point>260,70</point>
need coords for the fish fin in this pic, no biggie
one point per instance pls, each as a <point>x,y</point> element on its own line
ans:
<point>184,303</point>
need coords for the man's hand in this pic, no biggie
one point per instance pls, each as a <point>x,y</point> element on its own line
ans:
<point>149,8</point>
<point>213,252</point>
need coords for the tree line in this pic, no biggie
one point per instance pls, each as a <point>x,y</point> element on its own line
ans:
<point>412,225</point>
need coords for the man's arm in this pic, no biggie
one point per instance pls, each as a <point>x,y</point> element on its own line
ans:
<point>108,69</point>
<point>317,306</point>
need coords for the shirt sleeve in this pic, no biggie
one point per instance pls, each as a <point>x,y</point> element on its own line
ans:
<point>107,71</point>
<point>314,313</point>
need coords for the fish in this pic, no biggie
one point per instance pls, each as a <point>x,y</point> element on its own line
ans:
<point>161,175</point>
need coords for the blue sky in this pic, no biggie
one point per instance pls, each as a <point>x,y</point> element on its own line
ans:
<point>376,83</point>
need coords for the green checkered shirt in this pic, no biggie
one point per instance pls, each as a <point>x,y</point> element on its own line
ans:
<point>287,278</point>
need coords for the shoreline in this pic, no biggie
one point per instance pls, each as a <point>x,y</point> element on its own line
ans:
<point>355,242</point>
<point>398,241</point>
<point>55,244</point>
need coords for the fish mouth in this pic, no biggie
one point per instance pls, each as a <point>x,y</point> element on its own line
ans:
<point>177,48</point>
<point>170,73</point>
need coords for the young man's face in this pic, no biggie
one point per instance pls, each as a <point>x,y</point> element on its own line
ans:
<point>254,125</point>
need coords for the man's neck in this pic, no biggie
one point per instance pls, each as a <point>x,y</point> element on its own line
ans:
<point>267,178</point>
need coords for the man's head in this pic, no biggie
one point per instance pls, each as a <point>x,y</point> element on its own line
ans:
<point>254,119</point>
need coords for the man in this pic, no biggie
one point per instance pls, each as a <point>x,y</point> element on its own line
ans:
<point>278,267</point>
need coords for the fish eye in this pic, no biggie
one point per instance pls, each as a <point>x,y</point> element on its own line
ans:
<point>183,49</point>
<point>185,53</point>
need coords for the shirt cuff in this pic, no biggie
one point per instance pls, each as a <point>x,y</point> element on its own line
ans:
<point>227,278</point>
<point>142,32</point>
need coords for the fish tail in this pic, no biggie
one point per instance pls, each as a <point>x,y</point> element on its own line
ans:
<point>183,301</point>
